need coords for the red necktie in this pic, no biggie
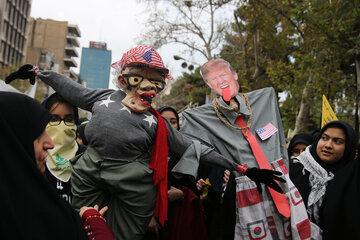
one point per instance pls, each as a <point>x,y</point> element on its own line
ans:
<point>279,198</point>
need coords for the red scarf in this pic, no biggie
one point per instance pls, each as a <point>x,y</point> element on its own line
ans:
<point>159,163</point>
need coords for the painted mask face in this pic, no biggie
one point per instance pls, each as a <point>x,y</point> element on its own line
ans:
<point>331,145</point>
<point>223,81</point>
<point>143,84</point>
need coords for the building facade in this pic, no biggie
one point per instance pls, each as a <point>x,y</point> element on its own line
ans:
<point>52,45</point>
<point>95,65</point>
<point>14,21</point>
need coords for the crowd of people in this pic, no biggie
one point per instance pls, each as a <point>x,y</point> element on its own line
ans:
<point>133,172</point>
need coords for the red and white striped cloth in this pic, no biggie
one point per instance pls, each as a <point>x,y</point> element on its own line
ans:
<point>142,55</point>
<point>257,217</point>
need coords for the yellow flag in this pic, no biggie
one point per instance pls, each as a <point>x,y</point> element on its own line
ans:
<point>206,189</point>
<point>328,114</point>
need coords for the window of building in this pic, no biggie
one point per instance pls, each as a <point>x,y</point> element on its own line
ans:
<point>9,34</point>
<point>8,31</point>
<point>7,7</point>
<point>12,56</point>
<point>16,18</point>
<point>13,37</point>
<point>19,19</point>
<point>16,39</point>
<point>4,28</point>
<point>42,58</point>
<point>9,55</point>
<point>14,15</point>
<point>5,49</point>
<point>19,42</point>
<point>22,43</point>
<point>23,25</point>
<point>18,58</point>
<point>2,49</point>
<point>15,58</point>
<point>26,8</point>
<point>21,6</point>
<point>10,12</point>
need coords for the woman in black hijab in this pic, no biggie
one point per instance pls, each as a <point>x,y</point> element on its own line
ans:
<point>30,207</point>
<point>171,115</point>
<point>320,174</point>
<point>298,143</point>
<point>341,206</point>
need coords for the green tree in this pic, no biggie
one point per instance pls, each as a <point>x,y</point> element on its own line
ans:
<point>279,43</point>
<point>190,87</point>
<point>339,26</point>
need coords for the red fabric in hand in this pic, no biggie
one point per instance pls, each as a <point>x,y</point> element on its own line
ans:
<point>187,220</point>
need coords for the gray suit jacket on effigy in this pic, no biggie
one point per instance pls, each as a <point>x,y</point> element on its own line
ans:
<point>203,124</point>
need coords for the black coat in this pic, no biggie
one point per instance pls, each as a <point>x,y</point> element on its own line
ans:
<point>30,208</point>
<point>340,210</point>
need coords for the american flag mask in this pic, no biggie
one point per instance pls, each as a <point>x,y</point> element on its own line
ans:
<point>142,55</point>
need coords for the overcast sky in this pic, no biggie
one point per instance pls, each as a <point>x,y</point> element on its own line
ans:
<point>116,22</point>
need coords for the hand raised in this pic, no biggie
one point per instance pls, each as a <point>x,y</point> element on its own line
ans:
<point>96,207</point>
<point>26,71</point>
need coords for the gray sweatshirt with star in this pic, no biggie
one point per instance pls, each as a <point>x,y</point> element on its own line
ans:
<point>119,134</point>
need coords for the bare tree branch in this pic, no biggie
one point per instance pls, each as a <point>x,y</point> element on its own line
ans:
<point>190,23</point>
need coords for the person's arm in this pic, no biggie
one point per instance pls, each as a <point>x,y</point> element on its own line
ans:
<point>95,224</point>
<point>193,153</point>
<point>185,148</point>
<point>72,91</point>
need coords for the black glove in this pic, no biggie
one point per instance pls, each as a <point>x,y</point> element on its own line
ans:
<point>26,71</point>
<point>265,176</point>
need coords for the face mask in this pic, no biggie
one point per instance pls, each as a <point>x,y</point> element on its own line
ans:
<point>65,149</point>
<point>138,99</point>
<point>143,84</point>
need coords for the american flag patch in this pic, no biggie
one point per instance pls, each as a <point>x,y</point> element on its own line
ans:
<point>147,56</point>
<point>267,131</point>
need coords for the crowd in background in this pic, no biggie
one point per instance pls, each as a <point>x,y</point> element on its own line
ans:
<point>314,161</point>
<point>323,165</point>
